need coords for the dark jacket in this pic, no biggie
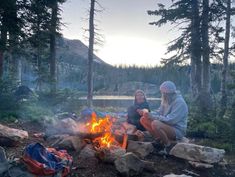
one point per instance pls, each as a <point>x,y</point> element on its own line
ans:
<point>133,116</point>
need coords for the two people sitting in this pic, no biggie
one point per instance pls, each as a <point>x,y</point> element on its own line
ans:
<point>170,121</point>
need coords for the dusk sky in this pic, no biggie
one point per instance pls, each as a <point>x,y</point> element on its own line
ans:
<point>129,39</point>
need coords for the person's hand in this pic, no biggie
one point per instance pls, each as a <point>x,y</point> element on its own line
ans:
<point>140,135</point>
<point>142,111</point>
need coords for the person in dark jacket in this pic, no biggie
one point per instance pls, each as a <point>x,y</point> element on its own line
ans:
<point>140,103</point>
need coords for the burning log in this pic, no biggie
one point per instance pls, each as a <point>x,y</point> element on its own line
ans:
<point>102,128</point>
<point>125,140</point>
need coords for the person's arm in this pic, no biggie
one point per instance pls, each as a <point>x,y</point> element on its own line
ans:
<point>131,114</point>
<point>178,110</point>
<point>160,110</point>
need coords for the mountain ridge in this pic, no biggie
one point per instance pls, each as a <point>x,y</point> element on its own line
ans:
<point>74,49</point>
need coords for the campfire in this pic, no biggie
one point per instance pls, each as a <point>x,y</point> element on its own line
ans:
<point>103,128</point>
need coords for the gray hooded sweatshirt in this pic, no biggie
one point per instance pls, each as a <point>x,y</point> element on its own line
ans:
<point>175,115</point>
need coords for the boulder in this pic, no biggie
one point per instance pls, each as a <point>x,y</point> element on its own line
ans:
<point>2,155</point>
<point>197,153</point>
<point>87,152</point>
<point>142,149</point>
<point>64,126</point>
<point>11,136</point>
<point>3,161</point>
<point>130,165</point>
<point>109,155</point>
<point>74,143</point>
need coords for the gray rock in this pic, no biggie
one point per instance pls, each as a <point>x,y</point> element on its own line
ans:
<point>3,157</point>
<point>69,143</point>
<point>130,165</point>
<point>111,154</point>
<point>87,152</point>
<point>197,153</point>
<point>142,149</point>
<point>64,126</point>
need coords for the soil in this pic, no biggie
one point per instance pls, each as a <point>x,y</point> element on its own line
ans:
<point>93,167</point>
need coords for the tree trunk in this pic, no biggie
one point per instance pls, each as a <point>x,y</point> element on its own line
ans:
<point>39,65</point>
<point>90,54</point>
<point>205,97</point>
<point>1,64</point>
<point>53,47</point>
<point>192,78</point>
<point>196,47</point>
<point>3,41</point>
<point>225,60</point>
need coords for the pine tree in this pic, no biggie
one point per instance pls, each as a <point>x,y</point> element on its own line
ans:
<point>90,53</point>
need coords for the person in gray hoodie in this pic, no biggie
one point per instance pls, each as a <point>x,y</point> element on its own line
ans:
<point>170,121</point>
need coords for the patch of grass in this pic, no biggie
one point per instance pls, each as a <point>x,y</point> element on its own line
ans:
<point>33,111</point>
<point>220,144</point>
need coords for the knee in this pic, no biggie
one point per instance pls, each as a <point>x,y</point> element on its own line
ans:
<point>142,120</point>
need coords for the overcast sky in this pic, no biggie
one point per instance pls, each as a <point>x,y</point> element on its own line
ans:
<point>129,39</point>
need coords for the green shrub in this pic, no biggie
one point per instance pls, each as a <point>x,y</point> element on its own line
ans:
<point>33,111</point>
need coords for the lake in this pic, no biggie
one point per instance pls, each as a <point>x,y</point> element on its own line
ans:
<point>119,101</point>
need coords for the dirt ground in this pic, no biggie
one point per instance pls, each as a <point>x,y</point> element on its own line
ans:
<point>93,167</point>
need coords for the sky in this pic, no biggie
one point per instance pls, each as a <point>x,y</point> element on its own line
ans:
<point>128,38</point>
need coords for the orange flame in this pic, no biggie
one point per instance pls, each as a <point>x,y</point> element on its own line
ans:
<point>101,125</point>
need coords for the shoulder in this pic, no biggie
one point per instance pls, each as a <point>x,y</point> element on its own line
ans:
<point>180,101</point>
<point>131,108</point>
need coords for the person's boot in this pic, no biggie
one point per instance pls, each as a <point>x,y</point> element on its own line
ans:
<point>166,150</point>
<point>158,145</point>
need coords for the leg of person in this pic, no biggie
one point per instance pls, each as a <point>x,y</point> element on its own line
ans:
<point>147,124</point>
<point>166,132</point>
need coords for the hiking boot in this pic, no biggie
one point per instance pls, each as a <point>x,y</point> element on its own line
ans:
<point>166,150</point>
<point>157,144</point>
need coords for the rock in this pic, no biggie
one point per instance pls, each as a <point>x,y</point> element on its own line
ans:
<point>200,165</point>
<point>197,153</point>
<point>87,152</point>
<point>3,161</point>
<point>223,163</point>
<point>4,166</point>
<point>54,138</point>
<point>142,149</point>
<point>64,126</point>
<point>18,171</point>
<point>173,175</point>
<point>109,155</point>
<point>69,124</point>
<point>148,137</point>
<point>183,140</point>
<point>11,136</point>
<point>69,143</point>
<point>130,165</point>
<point>3,157</point>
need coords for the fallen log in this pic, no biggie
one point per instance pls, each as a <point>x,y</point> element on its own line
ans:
<point>11,136</point>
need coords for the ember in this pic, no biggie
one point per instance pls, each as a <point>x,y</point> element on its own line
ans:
<point>103,126</point>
